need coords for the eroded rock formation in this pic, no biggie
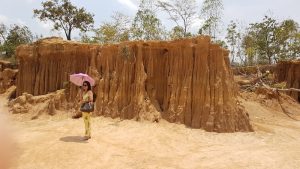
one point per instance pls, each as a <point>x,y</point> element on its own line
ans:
<point>7,79</point>
<point>186,81</point>
<point>38,105</point>
<point>289,71</point>
<point>6,64</point>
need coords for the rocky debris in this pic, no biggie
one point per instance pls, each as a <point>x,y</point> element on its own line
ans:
<point>10,93</point>
<point>186,81</point>
<point>248,70</point>
<point>274,100</point>
<point>7,79</point>
<point>6,64</point>
<point>44,104</point>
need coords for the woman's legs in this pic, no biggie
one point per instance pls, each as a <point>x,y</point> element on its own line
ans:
<point>87,123</point>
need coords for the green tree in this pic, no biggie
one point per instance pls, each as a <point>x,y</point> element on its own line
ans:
<point>65,16</point>
<point>3,33</point>
<point>249,48</point>
<point>16,36</point>
<point>294,47</point>
<point>234,40</point>
<point>115,31</point>
<point>146,26</point>
<point>182,12</point>
<point>177,32</point>
<point>211,11</point>
<point>264,34</point>
<point>221,43</point>
<point>269,41</point>
<point>286,39</point>
<point>231,39</point>
<point>86,38</point>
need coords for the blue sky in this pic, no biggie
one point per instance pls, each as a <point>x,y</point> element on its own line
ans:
<point>243,11</point>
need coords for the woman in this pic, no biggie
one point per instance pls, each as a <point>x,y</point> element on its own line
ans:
<point>86,97</point>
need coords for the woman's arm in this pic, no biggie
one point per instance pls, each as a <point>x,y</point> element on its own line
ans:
<point>91,96</point>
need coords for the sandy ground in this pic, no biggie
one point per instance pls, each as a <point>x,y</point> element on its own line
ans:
<point>56,143</point>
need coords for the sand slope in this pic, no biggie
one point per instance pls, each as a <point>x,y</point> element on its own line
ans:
<point>54,143</point>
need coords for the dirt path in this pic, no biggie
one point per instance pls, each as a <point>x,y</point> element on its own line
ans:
<point>56,144</point>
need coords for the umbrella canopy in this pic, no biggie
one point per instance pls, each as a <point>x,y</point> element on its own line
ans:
<point>79,78</point>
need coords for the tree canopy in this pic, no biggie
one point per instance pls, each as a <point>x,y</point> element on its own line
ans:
<point>14,36</point>
<point>117,30</point>
<point>211,12</point>
<point>182,12</point>
<point>262,42</point>
<point>270,41</point>
<point>146,26</point>
<point>65,16</point>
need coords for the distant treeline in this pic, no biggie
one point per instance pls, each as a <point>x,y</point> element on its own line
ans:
<point>264,42</point>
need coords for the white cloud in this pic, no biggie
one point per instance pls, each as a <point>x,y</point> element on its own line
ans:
<point>9,21</point>
<point>129,4</point>
<point>3,19</point>
<point>30,1</point>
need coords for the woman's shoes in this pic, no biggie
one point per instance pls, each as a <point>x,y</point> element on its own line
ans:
<point>87,137</point>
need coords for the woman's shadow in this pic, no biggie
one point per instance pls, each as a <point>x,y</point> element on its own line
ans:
<point>76,139</point>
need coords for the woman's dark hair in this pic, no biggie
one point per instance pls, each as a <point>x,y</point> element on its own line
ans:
<point>88,85</point>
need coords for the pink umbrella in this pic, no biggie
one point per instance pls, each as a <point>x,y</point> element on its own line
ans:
<point>79,78</point>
